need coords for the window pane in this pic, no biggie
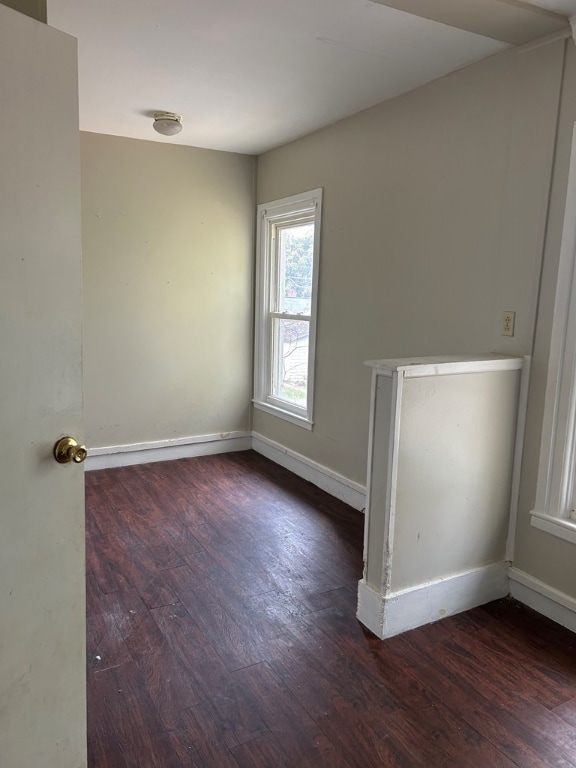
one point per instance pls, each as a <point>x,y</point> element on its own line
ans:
<point>290,360</point>
<point>296,254</point>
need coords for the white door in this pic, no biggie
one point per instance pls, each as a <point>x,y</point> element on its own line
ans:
<point>42,625</point>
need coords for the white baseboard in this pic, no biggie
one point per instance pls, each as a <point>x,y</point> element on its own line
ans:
<point>165,450</point>
<point>336,485</point>
<point>370,609</point>
<point>552,603</point>
<point>406,609</point>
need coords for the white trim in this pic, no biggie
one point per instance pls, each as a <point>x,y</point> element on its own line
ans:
<point>387,464</point>
<point>166,450</point>
<point>554,487</point>
<point>301,202</point>
<point>548,601</point>
<point>422,604</point>
<point>517,462</point>
<point>371,430</point>
<point>417,367</point>
<point>288,316</point>
<point>392,480</point>
<point>336,485</point>
<point>557,526</point>
<point>301,421</point>
<point>370,611</point>
<point>270,215</point>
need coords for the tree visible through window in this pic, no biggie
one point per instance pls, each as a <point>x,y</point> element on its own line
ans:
<point>296,258</point>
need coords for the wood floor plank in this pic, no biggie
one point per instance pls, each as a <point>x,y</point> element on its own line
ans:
<point>270,613</point>
<point>234,533</point>
<point>105,646</point>
<point>236,647</point>
<point>505,688</point>
<point>144,576</point>
<point>137,504</point>
<point>197,737</point>
<point>135,624</point>
<point>511,734</point>
<point>230,570</point>
<point>142,525</point>
<point>262,752</point>
<point>345,598</point>
<point>419,708</point>
<point>354,677</point>
<point>218,692</point>
<point>301,739</point>
<point>292,572</point>
<point>133,567</point>
<point>168,681</point>
<point>104,523</point>
<point>553,665</point>
<point>555,643</point>
<point>362,745</point>
<point>124,729</point>
<point>431,734</point>
<point>267,751</point>
<point>181,535</point>
<point>567,712</point>
<point>107,560</point>
<point>314,690</point>
<point>537,683</point>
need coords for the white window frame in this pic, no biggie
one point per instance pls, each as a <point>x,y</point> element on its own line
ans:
<point>305,206</point>
<point>556,486</point>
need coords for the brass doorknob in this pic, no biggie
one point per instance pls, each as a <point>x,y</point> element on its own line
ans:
<point>67,450</point>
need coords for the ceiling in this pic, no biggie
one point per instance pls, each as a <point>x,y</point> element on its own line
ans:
<point>248,76</point>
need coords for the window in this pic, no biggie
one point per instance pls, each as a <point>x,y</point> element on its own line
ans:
<point>556,488</point>
<point>286,286</point>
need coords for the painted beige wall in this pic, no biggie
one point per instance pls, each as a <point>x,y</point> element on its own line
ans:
<point>167,250</point>
<point>540,554</point>
<point>454,475</point>
<point>433,224</point>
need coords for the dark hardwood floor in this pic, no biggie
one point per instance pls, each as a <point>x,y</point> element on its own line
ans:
<point>221,632</point>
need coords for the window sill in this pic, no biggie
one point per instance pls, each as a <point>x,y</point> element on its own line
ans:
<point>557,526</point>
<point>300,421</point>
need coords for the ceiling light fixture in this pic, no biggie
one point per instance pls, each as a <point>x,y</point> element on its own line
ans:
<point>167,123</point>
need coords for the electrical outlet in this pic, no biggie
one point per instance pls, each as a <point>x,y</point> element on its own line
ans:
<point>508,320</point>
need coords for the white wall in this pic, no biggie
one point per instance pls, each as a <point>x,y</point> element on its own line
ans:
<point>168,252</point>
